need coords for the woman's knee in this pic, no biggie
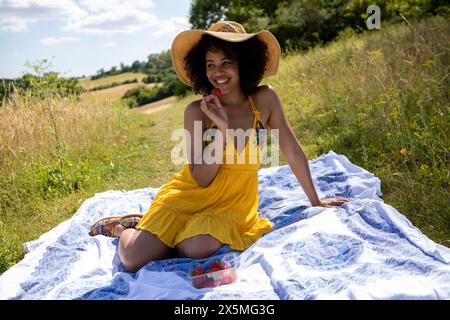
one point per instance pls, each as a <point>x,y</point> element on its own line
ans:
<point>198,247</point>
<point>133,266</point>
<point>137,248</point>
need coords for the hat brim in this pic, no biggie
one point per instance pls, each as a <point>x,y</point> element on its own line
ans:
<point>186,40</point>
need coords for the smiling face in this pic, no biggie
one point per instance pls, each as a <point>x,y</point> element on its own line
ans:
<point>222,71</point>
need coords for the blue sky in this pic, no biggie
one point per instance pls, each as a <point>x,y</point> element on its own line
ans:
<point>82,36</point>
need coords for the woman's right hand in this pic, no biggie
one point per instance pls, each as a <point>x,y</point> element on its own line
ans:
<point>212,107</point>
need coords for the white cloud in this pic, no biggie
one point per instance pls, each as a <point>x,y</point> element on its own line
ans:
<point>17,15</point>
<point>51,40</point>
<point>108,5</point>
<point>114,21</point>
<point>102,17</point>
<point>12,24</point>
<point>171,27</point>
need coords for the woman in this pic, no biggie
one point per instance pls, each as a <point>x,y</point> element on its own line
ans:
<point>207,205</point>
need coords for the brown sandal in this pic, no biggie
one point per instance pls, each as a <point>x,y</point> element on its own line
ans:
<point>130,220</point>
<point>106,226</point>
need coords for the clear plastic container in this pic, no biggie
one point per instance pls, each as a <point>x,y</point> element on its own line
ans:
<point>207,273</point>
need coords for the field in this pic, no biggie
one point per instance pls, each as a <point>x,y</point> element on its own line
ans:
<point>88,84</point>
<point>380,98</point>
<point>116,92</point>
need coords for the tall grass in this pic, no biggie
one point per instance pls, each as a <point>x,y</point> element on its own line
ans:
<point>48,150</point>
<point>27,130</point>
<point>381,99</point>
<point>101,146</point>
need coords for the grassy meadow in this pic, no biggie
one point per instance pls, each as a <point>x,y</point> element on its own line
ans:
<point>381,99</point>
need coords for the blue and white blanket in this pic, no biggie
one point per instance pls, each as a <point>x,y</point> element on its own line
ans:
<point>362,250</point>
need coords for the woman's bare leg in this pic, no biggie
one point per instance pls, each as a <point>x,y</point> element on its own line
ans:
<point>138,247</point>
<point>198,247</point>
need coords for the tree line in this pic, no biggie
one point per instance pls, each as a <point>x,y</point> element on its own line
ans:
<point>297,24</point>
<point>301,24</point>
<point>157,67</point>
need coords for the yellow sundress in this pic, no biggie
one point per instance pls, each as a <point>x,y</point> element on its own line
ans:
<point>226,209</point>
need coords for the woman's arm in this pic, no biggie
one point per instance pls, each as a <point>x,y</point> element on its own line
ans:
<point>203,173</point>
<point>292,150</point>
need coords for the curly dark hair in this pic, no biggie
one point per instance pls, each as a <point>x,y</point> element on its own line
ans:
<point>251,56</point>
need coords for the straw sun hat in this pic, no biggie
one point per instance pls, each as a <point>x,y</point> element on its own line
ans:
<point>226,30</point>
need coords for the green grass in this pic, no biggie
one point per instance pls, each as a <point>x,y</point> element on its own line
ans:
<point>381,99</point>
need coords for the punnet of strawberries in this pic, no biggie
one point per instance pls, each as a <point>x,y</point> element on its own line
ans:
<point>214,275</point>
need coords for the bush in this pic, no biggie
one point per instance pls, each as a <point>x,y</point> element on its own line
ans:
<point>6,88</point>
<point>48,85</point>
<point>142,95</point>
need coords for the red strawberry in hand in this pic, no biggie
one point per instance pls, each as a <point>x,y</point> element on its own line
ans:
<point>217,92</point>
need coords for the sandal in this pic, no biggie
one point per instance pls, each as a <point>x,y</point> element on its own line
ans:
<point>106,226</point>
<point>131,220</point>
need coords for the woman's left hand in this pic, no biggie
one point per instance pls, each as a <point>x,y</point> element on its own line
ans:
<point>332,202</point>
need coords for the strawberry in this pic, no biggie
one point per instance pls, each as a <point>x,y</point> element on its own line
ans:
<point>214,269</point>
<point>198,271</point>
<point>217,92</point>
<point>215,264</point>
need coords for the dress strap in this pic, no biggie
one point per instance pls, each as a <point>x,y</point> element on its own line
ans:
<point>258,122</point>
<point>252,104</point>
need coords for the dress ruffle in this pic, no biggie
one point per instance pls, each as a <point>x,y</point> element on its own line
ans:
<point>172,227</point>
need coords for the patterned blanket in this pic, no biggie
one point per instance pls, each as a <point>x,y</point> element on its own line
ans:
<point>363,250</point>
